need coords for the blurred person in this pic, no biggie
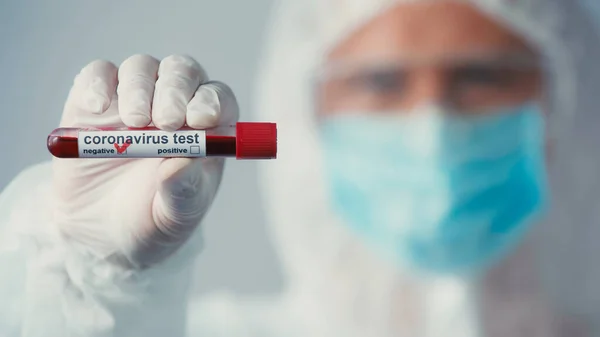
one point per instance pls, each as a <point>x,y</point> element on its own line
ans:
<point>418,144</point>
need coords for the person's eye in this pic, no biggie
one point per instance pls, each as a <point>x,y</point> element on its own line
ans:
<point>482,76</point>
<point>379,82</point>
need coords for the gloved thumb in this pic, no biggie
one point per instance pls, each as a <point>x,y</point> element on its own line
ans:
<point>186,188</point>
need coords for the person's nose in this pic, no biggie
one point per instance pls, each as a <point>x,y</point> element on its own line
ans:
<point>426,86</point>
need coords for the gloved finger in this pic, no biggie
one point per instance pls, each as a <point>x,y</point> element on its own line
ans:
<point>213,104</point>
<point>186,188</point>
<point>137,76</point>
<point>92,92</point>
<point>178,79</point>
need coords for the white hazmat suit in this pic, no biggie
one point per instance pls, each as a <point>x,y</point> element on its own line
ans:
<point>335,285</point>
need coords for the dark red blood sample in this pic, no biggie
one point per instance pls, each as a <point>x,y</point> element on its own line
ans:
<point>63,146</point>
<point>221,146</point>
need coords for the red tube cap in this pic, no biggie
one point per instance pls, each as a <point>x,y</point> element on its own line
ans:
<point>256,140</point>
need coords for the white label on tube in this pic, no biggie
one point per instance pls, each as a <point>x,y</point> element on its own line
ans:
<point>141,144</point>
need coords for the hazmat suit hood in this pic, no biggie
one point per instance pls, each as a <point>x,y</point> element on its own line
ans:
<point>549,282</point>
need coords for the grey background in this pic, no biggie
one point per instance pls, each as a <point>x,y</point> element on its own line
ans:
<point>46,43</point>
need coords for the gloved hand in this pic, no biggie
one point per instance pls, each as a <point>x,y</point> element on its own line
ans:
<point>139,211</point>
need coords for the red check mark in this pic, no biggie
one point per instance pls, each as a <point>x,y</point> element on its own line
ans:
<point>121,148</point>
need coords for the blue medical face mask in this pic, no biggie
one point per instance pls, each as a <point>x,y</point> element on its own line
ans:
<point>435,191</point>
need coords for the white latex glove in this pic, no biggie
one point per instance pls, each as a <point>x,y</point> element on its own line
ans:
<point>137,212</point>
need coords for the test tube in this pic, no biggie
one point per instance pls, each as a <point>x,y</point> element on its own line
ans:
<point>243,141</point>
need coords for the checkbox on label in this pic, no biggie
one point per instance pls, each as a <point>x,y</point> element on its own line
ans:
<point>195,149</point>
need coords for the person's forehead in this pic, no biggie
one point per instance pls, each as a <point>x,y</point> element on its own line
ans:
<point>425,28</point>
